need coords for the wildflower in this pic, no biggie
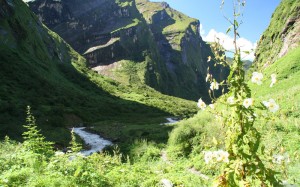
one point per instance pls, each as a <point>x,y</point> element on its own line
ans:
<point>271,105</point>
<point>208,156</point>
<point>166,183</point>
<point>212,106</point>
<point>257,77</point>
<point>248,102</point>
<point>273,80</point>
<point>218,156</point>
<point>201,104</point>
<point>208,58</point>
<point>222,156</point>
<point>214,86</point>
<point>279,159</point>
<point>230,100</point>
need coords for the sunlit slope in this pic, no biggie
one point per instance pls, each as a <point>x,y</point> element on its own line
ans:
<point>39,69</point>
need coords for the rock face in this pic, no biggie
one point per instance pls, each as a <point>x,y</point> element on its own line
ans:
<point>282,35</point>
<point>39,69</point>
<point>164,44</point>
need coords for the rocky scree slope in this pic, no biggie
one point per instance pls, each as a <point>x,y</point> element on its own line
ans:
<point>282,35</point>
<point>39,69</point>
<point>135,42</point>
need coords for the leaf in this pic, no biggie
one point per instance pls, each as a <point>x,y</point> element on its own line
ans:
<point>229,29</point>
<point>236,23</point>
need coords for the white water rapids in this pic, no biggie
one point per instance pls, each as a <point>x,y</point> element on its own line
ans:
<point>93,140</point>
<point>170,121</point>
<point>97,143</point>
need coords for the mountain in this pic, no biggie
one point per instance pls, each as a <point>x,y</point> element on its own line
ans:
<point>282,35</point>
<point>135,42</point>
<point>247,63</point>
<point>38,68</point>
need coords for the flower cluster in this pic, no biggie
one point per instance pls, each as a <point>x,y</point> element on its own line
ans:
<point>257,78</point>
<point>271,105</point>
<point>248,102</point>
<point>280,159</point>
<point>214,86</point>
<point>216,156</point>
<point>201,104</point>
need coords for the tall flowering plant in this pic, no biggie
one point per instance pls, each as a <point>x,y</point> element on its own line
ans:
<point>242,157</point>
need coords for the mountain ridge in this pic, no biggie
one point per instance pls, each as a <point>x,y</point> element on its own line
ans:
<point>38,68</point>
<point>168,53</point>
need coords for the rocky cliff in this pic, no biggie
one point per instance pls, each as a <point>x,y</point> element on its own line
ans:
<point>134,41</point>
<point>38,68</point>
<point>282,35</point>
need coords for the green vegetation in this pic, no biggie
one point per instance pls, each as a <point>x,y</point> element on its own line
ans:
<point>279,136</point>
<point>45,73</point>
<point>181,160</point>
<point>271,40</point>
<point>39,69</point>
<point>174,24</point>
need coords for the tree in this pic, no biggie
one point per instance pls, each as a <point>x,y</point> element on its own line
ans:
<point>34,141</point>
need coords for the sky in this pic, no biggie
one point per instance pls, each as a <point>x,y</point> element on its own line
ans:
<point>256,18</point>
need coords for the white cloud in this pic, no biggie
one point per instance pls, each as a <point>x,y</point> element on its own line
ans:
<point>227,42</point>
<point>201,30</point>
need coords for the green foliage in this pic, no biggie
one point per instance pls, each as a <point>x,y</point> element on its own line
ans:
<point>271,41</point>
<point>34,141</point>
<point>63,91</point>
<point>144,151</point>
<point>74,145</point>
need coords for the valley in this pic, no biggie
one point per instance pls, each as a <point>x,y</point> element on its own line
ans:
<point>126,75</point>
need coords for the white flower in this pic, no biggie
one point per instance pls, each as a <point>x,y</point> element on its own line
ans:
<point>214,86</point>
<point>248,102</point>
<point>273,80</point>
<point>208,156</point>
<point>271,105</point>
<point>257,77</point>
<point>279,159</point>
<point>219,156</point>
<point>212,106</point>
<point>230,100</point>
<point>201,104</point>
<point>166,183</point>
<point>223,156</point>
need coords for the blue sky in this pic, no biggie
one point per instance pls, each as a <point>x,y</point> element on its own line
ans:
<point>256,18</point>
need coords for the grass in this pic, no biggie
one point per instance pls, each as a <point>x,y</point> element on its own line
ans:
<point>280,135</point>
<point>271,41</point>
<point>66,92</point>
<point>39,69</point>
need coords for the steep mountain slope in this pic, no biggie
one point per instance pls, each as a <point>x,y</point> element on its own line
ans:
<point>134,42</point>
<point>39,69</point>
<point>282,35</point>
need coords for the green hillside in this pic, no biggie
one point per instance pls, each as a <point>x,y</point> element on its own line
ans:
<point>135,42</point>
<point>281,35</point>
<point>280,135</point>
<point>39,69</point>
